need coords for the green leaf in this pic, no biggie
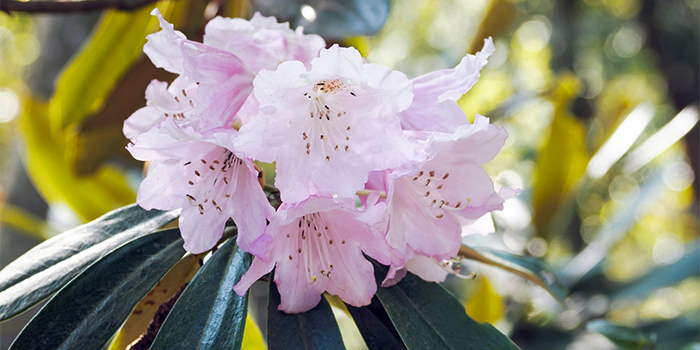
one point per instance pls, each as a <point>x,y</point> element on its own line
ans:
<point>428,317</point>
<point>375,326</point>
<point>314,329</point>
<point>527,267</point>
<point>90,309</point>
<point>209,314</point>
<point>624,337</point>
<point>50,265</point>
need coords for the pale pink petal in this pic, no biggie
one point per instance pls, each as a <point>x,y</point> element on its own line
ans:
<point>257,269</point>
<point>163,47</point>
<point>394,276</point>
<point>417,227</point>
<point>434,107</point>
<point>262,42</point>
<point>144,119</point>
<point>200,237</point>
<point>225,82</point>
<point>428,269</point>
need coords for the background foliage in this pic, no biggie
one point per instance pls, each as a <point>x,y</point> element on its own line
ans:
<point>589,90</point>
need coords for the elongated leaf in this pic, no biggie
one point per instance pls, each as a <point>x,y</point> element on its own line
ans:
<point>428,317</point>
<point>50,265</point>
<point>527,267</point>
<point>209,314</point>
<point>314,329</point>
<point>563,158</point>
<point>88,310</point>
<point>48,165</point>
<point>114,46</point>
<point>623,336</point>
<point>375,326</point>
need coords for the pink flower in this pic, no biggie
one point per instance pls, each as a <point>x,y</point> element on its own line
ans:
<point>423,204</point>
<point>262,42</point>
<point>222,69</point>
<point>434,107</point>
<point>327,128</point>
<point>199,173</point>
<point>317,246</point>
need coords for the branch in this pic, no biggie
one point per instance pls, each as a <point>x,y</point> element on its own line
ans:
<point>62,6</point>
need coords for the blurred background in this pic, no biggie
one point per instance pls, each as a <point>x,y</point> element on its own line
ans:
<point>599,98</point>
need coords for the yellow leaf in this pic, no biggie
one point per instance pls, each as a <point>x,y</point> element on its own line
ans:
<point>485,305</point>
<point>114,46</point>
<point>562,158</point>
<point>49,167</point>
<point>252,338</point>
<point>144,311</point>
<point>25,221</point>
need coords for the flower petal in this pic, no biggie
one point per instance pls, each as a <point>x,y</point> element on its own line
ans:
<point>434,107</point>
<point>163,47</point>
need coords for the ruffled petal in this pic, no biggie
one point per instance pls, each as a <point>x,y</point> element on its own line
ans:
<point>163,47</point>
<point>434,107</point>
<point>262,42</point>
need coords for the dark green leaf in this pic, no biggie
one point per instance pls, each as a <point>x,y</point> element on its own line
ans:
<point>86,312</point>
<point>336,19</point>
<point>528,267</point>
<point>428,317</point>
<point>375,326</point>
<point>314,329</point>
<point>209,314</point>
<point>50,265</point>
<point>624,337</point>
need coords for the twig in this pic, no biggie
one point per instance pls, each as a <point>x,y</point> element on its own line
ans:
<point>63,6</point>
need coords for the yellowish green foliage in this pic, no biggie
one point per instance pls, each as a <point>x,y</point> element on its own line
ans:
<point>252,338</point>
<point>485,305</point>
<point>50,129</point>
<point>562,158</point>
<point>48,166</point>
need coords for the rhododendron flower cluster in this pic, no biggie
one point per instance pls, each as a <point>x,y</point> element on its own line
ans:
<point>368,161</point>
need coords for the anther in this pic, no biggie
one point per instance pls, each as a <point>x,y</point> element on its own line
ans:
<point>439,216</point>
<point>196,173</point>
<point>330,241</point>
<point>190,182</point>
<point>439,187</point>
<point>176,99</point>
<point>432,173</point>
<point>290,257</point>
<point>446,175</point>
<point>427,182</point>
<point>203,161</point>
<point>427,193</point>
